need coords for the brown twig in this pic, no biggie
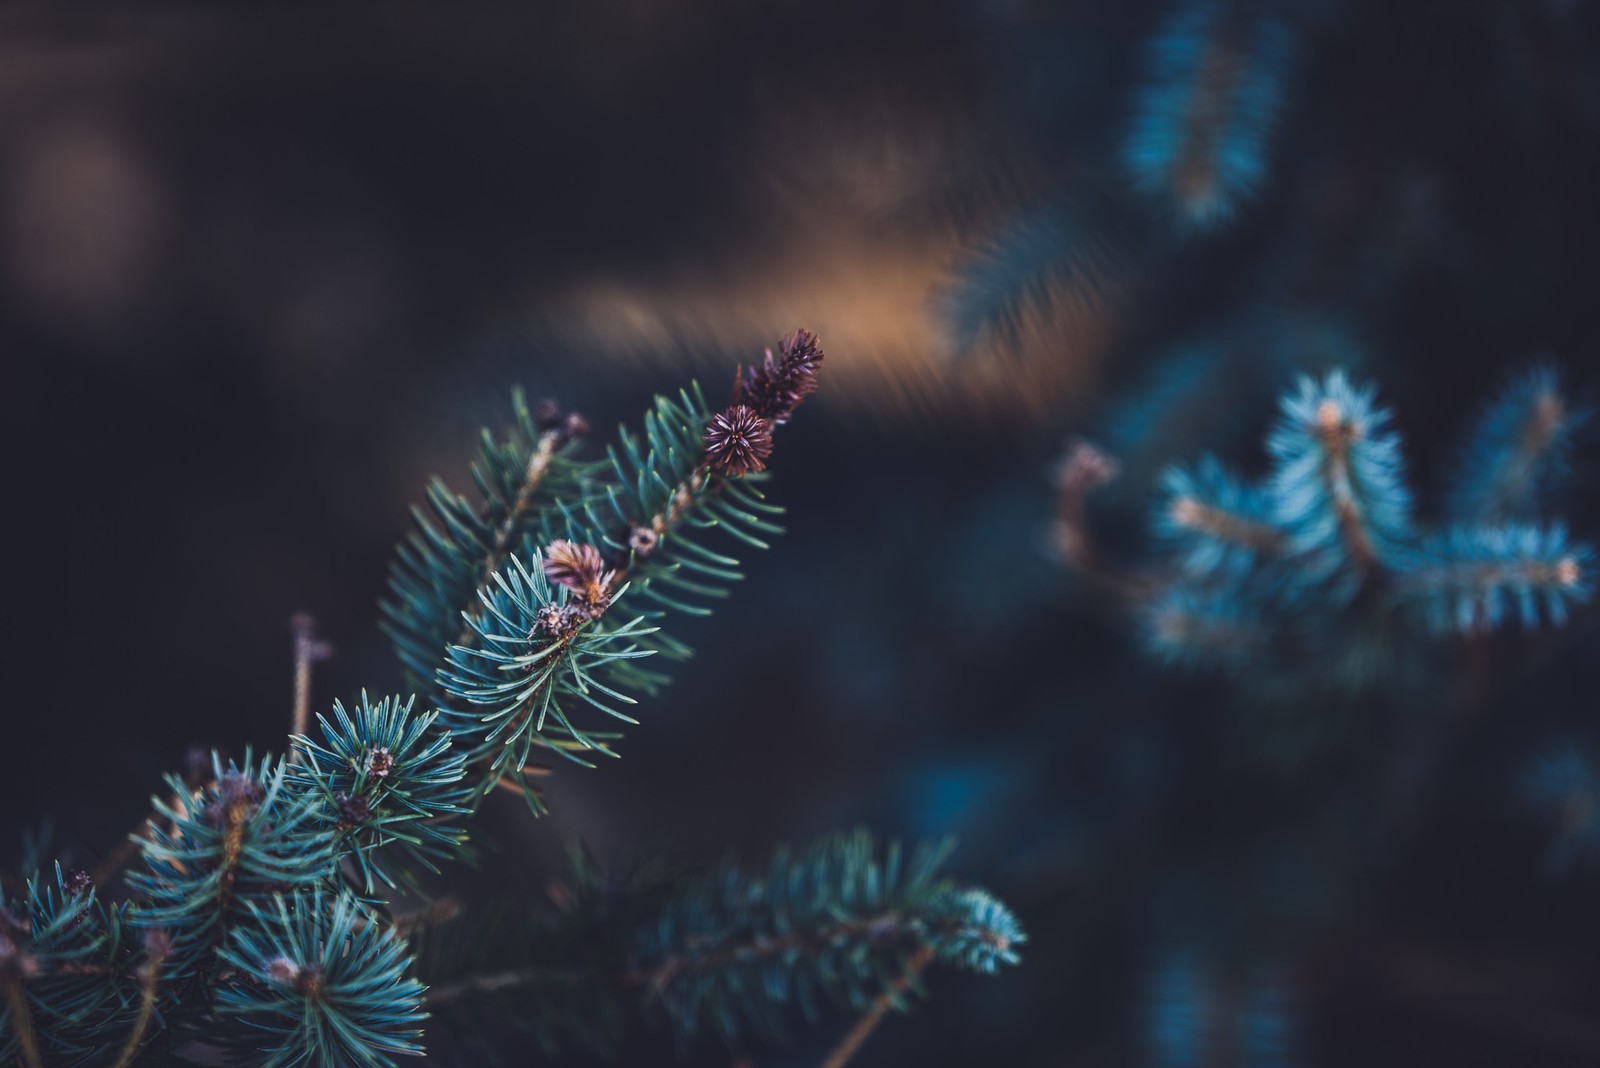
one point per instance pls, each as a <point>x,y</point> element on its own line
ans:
<point>506,783</point>
<point>1338,432</point>
<point>1084,469</point>
<point>884,927</point>
<point>22,1021</point>
<point>156,948</point>
<point>307,651</point>
<point>857,1036</point>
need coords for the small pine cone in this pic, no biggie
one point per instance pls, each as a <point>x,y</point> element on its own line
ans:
<point>547,619</point>
<point>285,972</point>
<point>380,762</point>
<point>353,811</point>
<point>547,414</point>
<point>560,620</point>
<point>577,567</point>
<point>776,386</point>
<point>575,425</point>
<point>643,541</point>
<point>738,441</point>
<point>78,882</point>
<point>236,793</point>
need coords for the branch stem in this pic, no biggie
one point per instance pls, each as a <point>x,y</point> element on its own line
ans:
<point>857,1036</point>
<point>22,1020</point>
<point>307,651</point>
<point>147,1004</point>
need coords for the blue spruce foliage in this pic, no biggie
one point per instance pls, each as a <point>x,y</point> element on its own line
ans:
<point>1201,137</point>
<point>1324,554</point>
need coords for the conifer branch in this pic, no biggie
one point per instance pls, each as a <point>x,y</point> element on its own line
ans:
<point>891,998</point>
<point>1518,452</point>
<point>255,892</point>
<point>20,1017</point>
<point>1083,470</point>
<point>1274,570</point>
<point>1200,135</point>
<point>842,918</point>
<point>157,945</point>
<point>1339,489</point>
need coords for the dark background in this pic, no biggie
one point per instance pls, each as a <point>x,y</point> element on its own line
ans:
<point>262,271</point>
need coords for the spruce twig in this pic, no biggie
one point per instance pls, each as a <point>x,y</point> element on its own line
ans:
<point>22,1020</point>
<point>307,651</point>
<point>157,945</point>
<point>857,1036</point>
<point>1083,470</point>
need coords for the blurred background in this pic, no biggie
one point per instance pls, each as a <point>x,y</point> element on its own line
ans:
<point>263,271</point>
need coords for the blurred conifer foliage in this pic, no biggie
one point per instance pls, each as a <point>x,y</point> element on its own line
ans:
<point>1342,698</point>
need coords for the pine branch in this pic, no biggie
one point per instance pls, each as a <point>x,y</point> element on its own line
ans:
<point>66,966</point>
<point>157,946</point>
<point>458,546</point>
<point>19,1018</point>
<point>1472,579</point>
<point>384,777</point>
<point>1339,489</point>
<point>843,919</point>
<point>539,643</point>
<point>1321,566</point>
<point>1518,455</point>
<point>1200,625</point>
<point>254,897</point>
<point>1213,522</point>
<point>1202,130</point>
<point>234,845</point>
<point>891,998</point>
<point>839,919</point>
<point>315,978</point>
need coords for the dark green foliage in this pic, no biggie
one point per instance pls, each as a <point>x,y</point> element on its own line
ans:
<point>559,975</point>
<point>840,919</point>
<point>73,957</point>
<point>211,858</point>
<point>458,545</point>
<point>315,982</point>
<point>519,677</point>
<point>1517,459</point>
<point>657,482</point>
<point>740,952</point>
<point>385,777</point>
<point>261,931</point>
<point>510,675</point>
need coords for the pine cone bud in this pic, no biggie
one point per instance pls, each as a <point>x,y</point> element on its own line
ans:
<point>380,762</point>
<point>738,441</point>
